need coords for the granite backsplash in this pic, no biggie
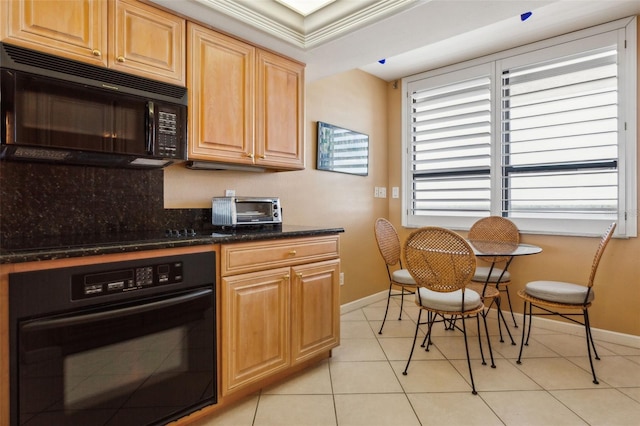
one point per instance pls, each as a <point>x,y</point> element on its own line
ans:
<point>46,201</point>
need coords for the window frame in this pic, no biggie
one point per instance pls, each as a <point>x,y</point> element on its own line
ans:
<point>626,33</point>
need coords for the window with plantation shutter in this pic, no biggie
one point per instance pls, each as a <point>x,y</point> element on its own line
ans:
<point>451,147</point>
<point>560,138</point>
<point>544,135</point>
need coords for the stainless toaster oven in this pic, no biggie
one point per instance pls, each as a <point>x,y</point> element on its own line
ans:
<point>237,211</point>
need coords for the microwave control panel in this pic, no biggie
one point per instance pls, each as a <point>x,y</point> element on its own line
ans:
<point>168,134</point>
<point>114,281</point>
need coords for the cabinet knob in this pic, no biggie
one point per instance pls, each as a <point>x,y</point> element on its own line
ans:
<point>120,59</point>
<point>292,253</point>
<point>249,154</point>
<point>96,52</point>
<point>262,156</point>
<point>299,274</point>
<point>286,277</point>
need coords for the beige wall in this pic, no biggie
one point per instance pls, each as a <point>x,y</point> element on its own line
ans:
<point>355,100</point>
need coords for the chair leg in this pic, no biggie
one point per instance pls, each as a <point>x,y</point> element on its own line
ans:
<point>486,330</point>
<point>587,330</point>
<point>497,302</point>
<point>415,336</point>
<point>530,323</point>
<point>515,324</point>
<point>504,320</point>
<point>401,303</point>
<point>426,336</point>
<point>451,323</point>
<point>480,340</point>
<point>431,319</point>
<point>387,309</point>
<point>593,345</point>
<point>524,327</point>
<point>466,346</point>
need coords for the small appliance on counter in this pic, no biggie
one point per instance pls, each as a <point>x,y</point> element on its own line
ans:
<point>241,211</point>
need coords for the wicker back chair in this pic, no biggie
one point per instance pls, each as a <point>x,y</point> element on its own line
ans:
<point>442,264</point>
<point>502,230</point>
<point>565,300</point>
<point>399,278</point>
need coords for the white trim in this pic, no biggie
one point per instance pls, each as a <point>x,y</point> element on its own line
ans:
<point>361,303</point>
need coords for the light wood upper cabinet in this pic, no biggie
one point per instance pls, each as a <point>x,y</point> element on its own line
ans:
<point>73,29</point>
<point>147,41</point>
<point>220,80</point>
<point>122,34</point>
<point>245,104</point>
<point>279,118</point>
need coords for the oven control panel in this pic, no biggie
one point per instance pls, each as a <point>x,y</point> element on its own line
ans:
<point>124,280</point>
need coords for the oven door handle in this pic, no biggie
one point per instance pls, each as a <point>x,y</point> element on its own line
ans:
<point>47,324</point>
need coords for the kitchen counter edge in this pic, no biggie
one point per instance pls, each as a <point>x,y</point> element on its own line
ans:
<point>221,237</point>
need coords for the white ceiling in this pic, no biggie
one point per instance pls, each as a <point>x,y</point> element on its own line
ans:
<point>411,35</point>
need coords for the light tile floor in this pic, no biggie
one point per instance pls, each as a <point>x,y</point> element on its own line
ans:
<point>362,384</point>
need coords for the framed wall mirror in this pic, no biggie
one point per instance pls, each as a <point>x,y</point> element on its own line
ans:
<point>342,150</point>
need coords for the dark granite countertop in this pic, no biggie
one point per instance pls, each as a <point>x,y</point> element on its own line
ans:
<point>78,246</point>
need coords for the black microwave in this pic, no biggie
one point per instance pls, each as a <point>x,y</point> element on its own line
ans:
<point>55,109</point>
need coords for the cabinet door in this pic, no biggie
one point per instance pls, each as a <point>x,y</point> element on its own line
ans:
<point>315,301</point>
<point>75,29</point>
<point>279,112</point>
<point>255,328</point>
<point>146,41</point>
<point>221,96</point>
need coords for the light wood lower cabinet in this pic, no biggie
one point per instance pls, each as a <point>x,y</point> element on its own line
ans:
<point>315,309</point>
<point>275,318</point>
<point>255,331</point>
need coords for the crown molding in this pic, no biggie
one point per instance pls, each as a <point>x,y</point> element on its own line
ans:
<point>321,26</point>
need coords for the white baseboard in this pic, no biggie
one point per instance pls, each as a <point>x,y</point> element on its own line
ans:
<point>547,324</point>
<point>578,330</point>
<point>361,303</point>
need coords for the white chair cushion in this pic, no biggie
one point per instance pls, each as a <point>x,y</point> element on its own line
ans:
<point>402,276</point>
<point>483,271</point>
<point>450,302</point>
<point>560,292</point>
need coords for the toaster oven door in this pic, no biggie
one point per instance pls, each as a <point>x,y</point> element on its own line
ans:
<point>257,211</point>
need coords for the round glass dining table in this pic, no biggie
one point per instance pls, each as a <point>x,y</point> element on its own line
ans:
<point>483,248</point>
<point>492,250</point>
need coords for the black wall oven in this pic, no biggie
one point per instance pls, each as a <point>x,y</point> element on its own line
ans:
<point>123,343</point>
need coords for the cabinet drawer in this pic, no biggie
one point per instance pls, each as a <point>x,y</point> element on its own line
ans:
<point>256,256</point>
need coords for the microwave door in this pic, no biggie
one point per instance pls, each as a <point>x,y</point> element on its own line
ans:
<point>60,115</point>
<point>66,115</point>
<point>130,131</point>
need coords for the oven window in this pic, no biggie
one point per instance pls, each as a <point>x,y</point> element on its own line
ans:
<point>130,365</point>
